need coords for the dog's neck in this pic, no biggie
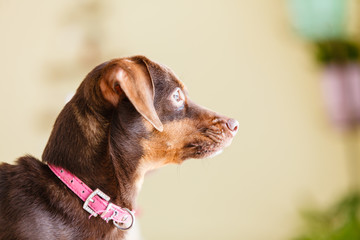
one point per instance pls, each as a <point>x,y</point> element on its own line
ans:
<point>98,149</point>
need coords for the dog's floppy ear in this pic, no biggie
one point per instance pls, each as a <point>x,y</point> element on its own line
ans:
<point>124,76</point>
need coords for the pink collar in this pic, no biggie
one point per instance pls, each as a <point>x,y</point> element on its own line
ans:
<point>96,202</point>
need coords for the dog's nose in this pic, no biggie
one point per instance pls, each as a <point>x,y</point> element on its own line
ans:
<point>233,125</point>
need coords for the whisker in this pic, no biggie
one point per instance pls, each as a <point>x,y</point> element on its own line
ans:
<point>216,136</point>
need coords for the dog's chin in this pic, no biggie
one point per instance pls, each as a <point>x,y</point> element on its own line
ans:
<point>206,153</point>
<point>206,149</point>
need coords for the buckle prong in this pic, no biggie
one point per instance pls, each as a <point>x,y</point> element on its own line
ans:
<point>89,199</point>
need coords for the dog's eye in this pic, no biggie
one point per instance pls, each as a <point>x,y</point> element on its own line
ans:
<point>178,97</point>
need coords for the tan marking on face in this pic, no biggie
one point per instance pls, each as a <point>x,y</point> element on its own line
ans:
<point>165,147</point>
<point>148,126</point>
<point>198,137</point>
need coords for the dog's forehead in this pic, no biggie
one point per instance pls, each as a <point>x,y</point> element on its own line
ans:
<point>172,78</point>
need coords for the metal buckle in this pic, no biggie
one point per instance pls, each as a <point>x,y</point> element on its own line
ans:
<point>90,199</point>
<point>132,221</point>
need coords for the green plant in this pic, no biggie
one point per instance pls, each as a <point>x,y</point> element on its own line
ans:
<point>338,51</point>
<point>339,222</point>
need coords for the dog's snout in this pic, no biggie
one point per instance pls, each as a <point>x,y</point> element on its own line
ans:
<point>233,125</point>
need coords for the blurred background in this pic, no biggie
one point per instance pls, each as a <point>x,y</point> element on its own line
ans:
<point>286,70</point>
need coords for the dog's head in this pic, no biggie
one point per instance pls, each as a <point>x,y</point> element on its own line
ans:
<point>138,112</point>
<point>153,109</point>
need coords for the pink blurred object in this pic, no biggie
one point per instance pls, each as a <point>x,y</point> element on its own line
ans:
<point>341,88</point>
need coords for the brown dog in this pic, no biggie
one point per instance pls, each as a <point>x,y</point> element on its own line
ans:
<point>128,116</point>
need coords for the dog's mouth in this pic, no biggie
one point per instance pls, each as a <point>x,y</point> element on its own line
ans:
<point>210,142</point>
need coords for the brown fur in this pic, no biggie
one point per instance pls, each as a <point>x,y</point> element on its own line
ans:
<point>109,135</point>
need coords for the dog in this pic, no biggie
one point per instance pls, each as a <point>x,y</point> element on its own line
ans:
<point>128,116</point>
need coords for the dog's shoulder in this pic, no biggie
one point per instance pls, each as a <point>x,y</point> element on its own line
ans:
<point>26,165</point>
<point>26,176</point>
<point>22,189</point>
